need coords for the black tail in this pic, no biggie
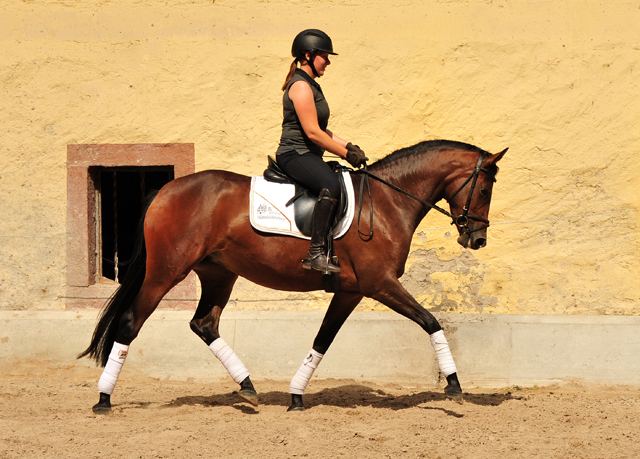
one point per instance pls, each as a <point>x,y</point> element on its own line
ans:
<point>105,333</point>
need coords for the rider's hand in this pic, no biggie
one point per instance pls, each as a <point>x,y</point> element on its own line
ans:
<point>355,156</point>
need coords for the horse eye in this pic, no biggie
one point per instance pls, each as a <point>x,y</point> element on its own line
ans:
<point>484,192</point>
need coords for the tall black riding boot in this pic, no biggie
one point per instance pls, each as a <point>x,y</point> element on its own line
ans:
<point>323,214</point>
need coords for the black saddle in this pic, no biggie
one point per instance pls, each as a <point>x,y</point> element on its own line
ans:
<point>304,200</point>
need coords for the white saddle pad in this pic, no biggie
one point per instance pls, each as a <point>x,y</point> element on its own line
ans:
<point>269,213</point>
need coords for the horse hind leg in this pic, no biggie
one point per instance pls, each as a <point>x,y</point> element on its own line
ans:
<point>217,285</point>
<point>129,325</point>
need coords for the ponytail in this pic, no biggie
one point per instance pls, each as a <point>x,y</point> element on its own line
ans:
<point>292,70</point>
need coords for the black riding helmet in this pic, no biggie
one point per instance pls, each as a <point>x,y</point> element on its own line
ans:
<point>312,41</point>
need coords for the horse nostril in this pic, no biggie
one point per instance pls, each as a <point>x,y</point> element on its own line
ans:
<point>479,243</point>
<point>463,240</point>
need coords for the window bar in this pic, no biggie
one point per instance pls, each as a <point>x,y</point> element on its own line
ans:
<point>115,226</point>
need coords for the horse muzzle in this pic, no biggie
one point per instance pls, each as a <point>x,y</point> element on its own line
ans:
<point>474,240</point>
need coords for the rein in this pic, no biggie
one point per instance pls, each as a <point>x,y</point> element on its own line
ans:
<point>461,221</point>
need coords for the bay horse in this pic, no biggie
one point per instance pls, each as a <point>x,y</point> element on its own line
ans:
<point>201,223</point>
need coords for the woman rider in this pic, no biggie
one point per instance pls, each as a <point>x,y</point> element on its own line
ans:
<point>305,138</point>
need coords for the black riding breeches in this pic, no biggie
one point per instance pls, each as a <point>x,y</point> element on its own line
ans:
<point>311,171</point>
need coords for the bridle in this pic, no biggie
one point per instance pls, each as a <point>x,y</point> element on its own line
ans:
<point>461,221</point>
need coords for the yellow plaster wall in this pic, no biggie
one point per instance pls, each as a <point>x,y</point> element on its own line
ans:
<point>557,82</point>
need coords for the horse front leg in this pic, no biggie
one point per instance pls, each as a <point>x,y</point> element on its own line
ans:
<point>342,305</point>
<point>393,295</point>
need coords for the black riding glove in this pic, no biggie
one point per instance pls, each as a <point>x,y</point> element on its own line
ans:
<point>355,156</point>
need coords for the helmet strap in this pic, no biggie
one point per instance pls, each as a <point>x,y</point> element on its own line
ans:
<point>312,56</point>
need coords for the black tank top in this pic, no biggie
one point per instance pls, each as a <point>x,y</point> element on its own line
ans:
<point>293,137</point>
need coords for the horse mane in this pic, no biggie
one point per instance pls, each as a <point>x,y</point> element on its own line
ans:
<point>427,146</point>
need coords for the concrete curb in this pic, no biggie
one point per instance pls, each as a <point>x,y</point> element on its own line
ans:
<point>490,350</point>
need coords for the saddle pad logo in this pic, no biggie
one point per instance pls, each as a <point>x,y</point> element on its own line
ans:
<point>266,212</point>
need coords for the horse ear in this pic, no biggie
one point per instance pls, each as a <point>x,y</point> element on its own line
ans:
<point>494,158</point>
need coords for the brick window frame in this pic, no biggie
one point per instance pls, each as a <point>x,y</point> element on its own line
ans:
<point>84,289</point>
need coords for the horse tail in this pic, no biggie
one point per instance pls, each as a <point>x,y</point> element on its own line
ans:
<point>106,329</point>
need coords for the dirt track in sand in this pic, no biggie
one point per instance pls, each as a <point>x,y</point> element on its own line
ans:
<point>49,416</point>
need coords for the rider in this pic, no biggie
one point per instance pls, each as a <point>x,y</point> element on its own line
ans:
<point>305,138</point>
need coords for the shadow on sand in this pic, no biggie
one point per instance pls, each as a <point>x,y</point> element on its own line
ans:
<point>347,396</point>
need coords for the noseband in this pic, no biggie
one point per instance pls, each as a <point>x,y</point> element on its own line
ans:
<point>461,221</point>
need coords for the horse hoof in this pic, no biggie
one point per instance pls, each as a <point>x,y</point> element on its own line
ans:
<point>100,408</point>
<point>454,393</point>
<point>104,405</point>
<point>296,403</point>
<point>249,396</point>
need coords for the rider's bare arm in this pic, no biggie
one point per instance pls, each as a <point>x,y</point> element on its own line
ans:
<point>302,97</point>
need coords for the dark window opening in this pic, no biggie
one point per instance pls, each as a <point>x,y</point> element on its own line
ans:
<point>121,193</point>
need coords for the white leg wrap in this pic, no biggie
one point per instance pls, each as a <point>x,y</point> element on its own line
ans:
<point>229,360</point>
<point>113,367</point>
<point>304,373</point>
<point>443,353</point>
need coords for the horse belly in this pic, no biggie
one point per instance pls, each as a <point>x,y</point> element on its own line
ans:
<point>271,261</point>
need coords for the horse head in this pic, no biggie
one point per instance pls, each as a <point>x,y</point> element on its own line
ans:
<point>469,198</point>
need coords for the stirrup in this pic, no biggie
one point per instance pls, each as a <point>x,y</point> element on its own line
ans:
<point>320,263</point>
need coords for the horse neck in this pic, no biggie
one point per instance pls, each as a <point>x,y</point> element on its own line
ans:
<point>424,175</point>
